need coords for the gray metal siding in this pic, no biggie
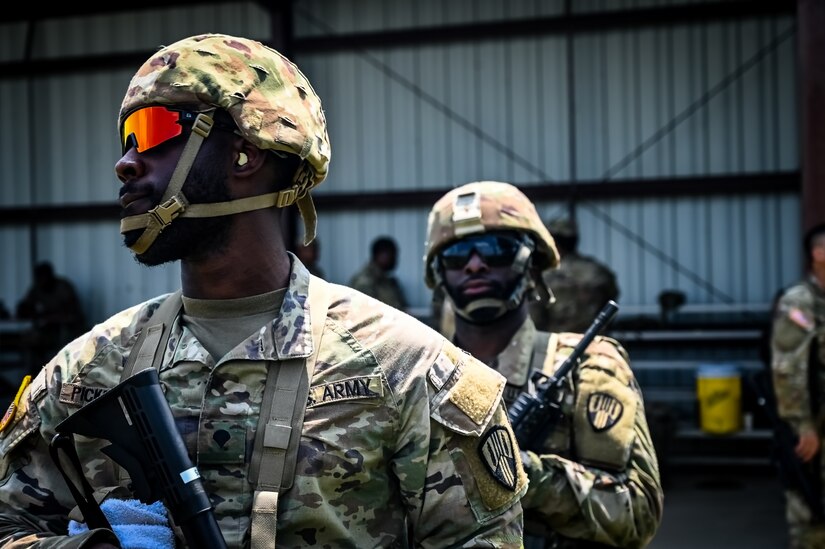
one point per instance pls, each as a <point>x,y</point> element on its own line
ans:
<point>70,121</point>
<point>698,100</point>
<point>436,116</point>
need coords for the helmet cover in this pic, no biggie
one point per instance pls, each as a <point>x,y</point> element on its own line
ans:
<point>480,207</point>
<point>271,101</point>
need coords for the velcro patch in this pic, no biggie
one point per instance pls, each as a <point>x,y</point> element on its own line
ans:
<point>498,454</point>
<point>76,394</point>
<point>603,411</point>
<point>353,388</point>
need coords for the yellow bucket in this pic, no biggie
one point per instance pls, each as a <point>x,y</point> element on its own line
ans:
<point>719,391</point>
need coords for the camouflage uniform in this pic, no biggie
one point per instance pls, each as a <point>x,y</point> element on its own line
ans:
<point>405,438</point>
<point>596,480</point>
<point>406,451</point>
<point>581,286</point>
<point>798,358</point>
<point>373,281</point>
<point>592,469</point>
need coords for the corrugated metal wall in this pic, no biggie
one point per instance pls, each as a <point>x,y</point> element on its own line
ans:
<point>700,99</point>
<point>677,101</point>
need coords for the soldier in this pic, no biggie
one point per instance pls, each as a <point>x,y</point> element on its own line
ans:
<point>53,306</point>
<point>404,439</point>
<point>375,278</point>
<point>581,285</point>
<point>596,481</point>
<point>309,254</point>
<point>798,374</point>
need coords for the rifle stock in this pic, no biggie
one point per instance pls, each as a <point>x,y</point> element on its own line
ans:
<point>533,416</point>
<point>136,419</point>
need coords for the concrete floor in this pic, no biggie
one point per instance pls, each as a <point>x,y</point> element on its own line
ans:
<point>730,509</point>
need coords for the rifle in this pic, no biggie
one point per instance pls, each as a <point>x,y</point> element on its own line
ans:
<point>793,472</point>
<point>534,416</point>
<point>135,417</point>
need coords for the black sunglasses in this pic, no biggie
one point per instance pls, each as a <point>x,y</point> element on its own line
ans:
<point>497,250</point>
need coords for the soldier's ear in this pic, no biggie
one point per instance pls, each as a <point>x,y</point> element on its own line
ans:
<point>246,157</point>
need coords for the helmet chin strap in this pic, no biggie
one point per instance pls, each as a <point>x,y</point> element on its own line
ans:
<point>174,204</point>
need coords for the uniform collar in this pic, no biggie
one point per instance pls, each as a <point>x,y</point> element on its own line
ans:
<point>292,330</point>
<point>514,361</point>
<point>288,336</point>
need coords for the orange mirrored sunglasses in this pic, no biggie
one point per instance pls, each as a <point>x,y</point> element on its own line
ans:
<point>150,126</point>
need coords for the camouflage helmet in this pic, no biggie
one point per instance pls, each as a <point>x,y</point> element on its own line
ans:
<point>480,207</point>
<point>271,102</point>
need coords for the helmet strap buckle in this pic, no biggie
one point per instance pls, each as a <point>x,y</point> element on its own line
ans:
<point>203,125</point>
<point>165,213</point>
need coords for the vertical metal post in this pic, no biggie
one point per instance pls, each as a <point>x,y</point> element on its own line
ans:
<point>281,38</point>
<point>31,109</point>
<point>571,115</point>
<point>811,45</point>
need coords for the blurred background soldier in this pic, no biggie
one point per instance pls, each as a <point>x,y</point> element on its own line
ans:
<point>798,368</point>
<point>581,285</point>
<point>594,480</point>
<point>51,303</point>
<point>376,280</point>
<point>309,254</point>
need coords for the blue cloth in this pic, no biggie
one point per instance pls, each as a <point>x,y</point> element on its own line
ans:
<point>136,524</point>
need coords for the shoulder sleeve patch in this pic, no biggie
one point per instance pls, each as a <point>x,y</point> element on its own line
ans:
<point>497,451</point>
<point>793,327</point>
<point>798,317</point>
<point>604,418</point>
<point>11,411</point>
<point>494,465</point>
<point>26,417</point>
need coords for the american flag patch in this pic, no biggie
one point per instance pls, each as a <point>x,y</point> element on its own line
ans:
<point>800,319</point>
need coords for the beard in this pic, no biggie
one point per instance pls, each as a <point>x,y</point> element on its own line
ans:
<point>486,307</point>
<point>194,238</point>
<point>497,290</point>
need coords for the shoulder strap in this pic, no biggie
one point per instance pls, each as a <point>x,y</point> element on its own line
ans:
<point>280,424</point>
<point>544,351</point>
<point>147,351</point>
<point>153,337</point>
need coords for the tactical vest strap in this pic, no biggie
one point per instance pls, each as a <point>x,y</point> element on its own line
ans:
<point>280,424</point>
<point>544,352</point>
<point>264,519</point>
<point>148,350</point>
<point>153,338</point>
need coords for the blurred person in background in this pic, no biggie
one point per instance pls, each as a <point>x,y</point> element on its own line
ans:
<point>594,481</point>
<point>580,286</point>
<point>310,254</point>
<point>798,375</point>
<point>376,279</point>
<point>52,305</point>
